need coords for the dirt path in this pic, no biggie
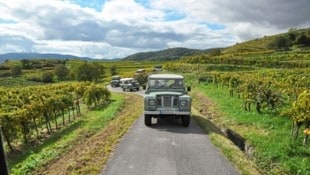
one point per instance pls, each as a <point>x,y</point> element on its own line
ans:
<point>90,155</point>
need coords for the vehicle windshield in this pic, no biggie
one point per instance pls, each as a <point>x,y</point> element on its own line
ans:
<point>126,81</point>
<point>165,84</point>
<point>116,78</point>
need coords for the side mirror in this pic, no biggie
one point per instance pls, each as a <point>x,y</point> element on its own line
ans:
<point>189,88</point>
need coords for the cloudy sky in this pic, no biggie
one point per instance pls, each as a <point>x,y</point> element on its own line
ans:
<point>118,28</point>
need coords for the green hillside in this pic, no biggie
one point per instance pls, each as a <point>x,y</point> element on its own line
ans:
<point>165,55</point>
<point>292,40</point>
<point>285,50</point>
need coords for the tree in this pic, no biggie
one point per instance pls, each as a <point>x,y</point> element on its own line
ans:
<point>98,71</point>
<point>114,70</point>
<point>89,72</point>
<point>292,34</point>
<point>302,39</point>
<point>16,70</point>
<point>26,64</point>
<point>61,72</point>
<point>141,78</point>
<point>47,77</point>
<point>282,43</point>
<point>215,52</point>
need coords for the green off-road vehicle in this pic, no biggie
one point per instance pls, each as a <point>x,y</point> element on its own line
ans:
<point>166,96</point>
<point>115,81</point>
<point>129,84</point>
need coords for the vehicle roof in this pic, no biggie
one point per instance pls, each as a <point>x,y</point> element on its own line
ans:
<point>124,79</point>
<point>166,76</point>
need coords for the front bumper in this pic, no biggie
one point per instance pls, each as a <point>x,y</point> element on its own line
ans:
<point>167,112</point>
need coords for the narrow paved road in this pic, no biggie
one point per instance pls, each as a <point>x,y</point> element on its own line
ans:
<point>167,148</point>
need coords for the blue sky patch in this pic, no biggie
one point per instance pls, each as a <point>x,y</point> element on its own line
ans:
<point>94,4</point>
<point>144,3</point>
<point>4,21</point>
<point>171,15</point>
<point>214,26</point>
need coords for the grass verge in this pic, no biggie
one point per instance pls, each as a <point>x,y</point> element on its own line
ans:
<point>231,151</point>
<point>274,152</point>
<point>90,154</point>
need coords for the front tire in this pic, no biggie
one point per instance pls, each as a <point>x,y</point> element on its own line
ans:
<point>185,120</point>
<point>147,120</point>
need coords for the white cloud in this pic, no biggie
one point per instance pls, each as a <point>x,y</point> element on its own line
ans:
<point>81,48</point>
<point>9,48</point>
<point>129,12</point>
<point>123,27</point>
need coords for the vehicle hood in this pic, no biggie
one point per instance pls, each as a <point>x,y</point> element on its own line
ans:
<point>166,93</point>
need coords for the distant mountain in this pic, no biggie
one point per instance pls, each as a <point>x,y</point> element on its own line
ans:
<point>20,56</point>
<point>165,55</point>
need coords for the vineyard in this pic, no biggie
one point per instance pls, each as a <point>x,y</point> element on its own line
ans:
<point>31,112</point>
<point>40,120</point>
<point>269,89</point>
<point>264,94</point>
<point>274,89</point>
<point>28,114</point>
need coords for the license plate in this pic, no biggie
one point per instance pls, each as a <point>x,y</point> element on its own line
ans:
<point>167,112</point>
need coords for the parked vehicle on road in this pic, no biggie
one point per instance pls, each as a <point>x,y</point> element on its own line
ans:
<point>166,97</point>
<point>116,81</point>
<point>140,71</point>
<point>129,84</point>
<point>157,68</point>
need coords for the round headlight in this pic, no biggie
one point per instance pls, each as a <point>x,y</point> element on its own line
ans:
<point>151,102</point>
<point>183,103</point>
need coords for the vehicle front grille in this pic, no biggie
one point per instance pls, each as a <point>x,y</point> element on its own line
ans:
<point>167,101</point>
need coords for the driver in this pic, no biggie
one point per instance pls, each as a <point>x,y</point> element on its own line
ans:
<point>157,84</point>
<point>176,83</point>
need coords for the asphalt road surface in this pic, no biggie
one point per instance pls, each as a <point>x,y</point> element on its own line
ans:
<point>166,148</point>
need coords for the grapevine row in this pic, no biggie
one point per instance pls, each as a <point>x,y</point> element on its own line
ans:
<point>273,89</point>
<point>26,114</point>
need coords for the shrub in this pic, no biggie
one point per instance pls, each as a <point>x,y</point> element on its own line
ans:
<point>61,72</point>
<point>47,77</point>
<point>16,70</point>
